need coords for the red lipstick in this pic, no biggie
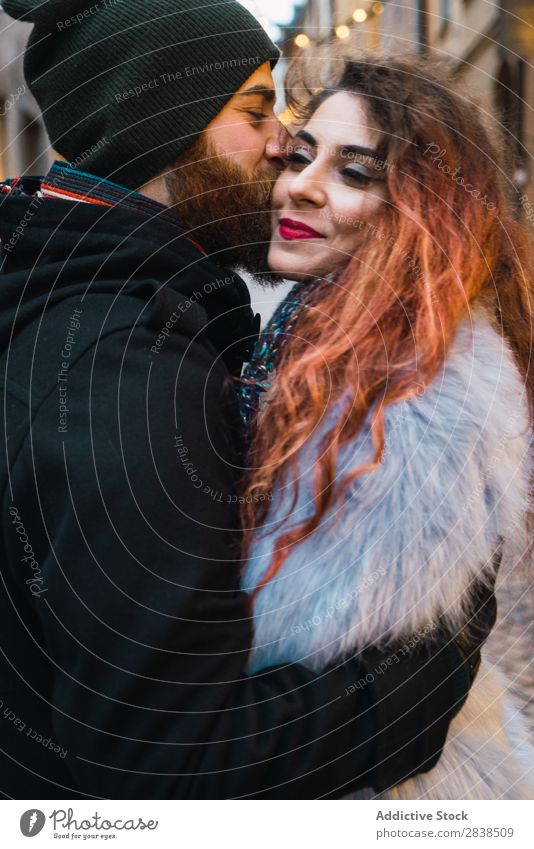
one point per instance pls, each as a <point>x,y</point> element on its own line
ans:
<point>290,229</point>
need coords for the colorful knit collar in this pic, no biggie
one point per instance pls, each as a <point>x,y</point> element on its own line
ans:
<point>259,372</point>
<point>63,182</point>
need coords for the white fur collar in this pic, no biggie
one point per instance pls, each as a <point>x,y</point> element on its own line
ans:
<point>411,535</point>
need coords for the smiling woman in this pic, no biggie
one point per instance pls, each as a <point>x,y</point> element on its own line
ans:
<point>383,392</point>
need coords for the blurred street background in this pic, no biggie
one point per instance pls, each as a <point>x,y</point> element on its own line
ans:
<point>490,46</point>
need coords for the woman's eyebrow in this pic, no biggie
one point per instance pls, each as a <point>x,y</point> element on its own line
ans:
<point>359,149</point>
<point>350,149</point>
<point>306,137</point>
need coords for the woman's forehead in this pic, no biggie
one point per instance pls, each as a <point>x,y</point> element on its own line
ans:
<point>342,120</point>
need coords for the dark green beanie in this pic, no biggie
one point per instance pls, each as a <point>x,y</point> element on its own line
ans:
<point>125,85</point>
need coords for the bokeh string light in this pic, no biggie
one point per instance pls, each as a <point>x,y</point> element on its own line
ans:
<point>342,31</point>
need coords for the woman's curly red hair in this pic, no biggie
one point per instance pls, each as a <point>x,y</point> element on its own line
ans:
<point>382,329</point>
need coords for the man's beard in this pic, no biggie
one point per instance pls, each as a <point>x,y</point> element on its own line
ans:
<point>227,209</point>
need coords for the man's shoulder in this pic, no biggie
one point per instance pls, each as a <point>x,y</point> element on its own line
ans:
<point>147,305</point>
<point>133,328</point>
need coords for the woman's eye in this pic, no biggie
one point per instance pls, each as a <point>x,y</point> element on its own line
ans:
<point>361,178</point>
<point>295,158</point>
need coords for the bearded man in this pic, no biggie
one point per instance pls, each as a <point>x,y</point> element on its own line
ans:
<point>124,634</point>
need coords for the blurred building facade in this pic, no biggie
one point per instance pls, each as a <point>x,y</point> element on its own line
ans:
<point>24,146</point>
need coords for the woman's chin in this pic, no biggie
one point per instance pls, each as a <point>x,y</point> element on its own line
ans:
<point>288,266</point>
<point>291,274</point>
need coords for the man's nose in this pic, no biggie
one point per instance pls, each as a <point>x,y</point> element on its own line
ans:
<point>276,145</point>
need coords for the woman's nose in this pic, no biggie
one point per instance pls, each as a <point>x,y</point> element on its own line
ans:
<point>307,187</point>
